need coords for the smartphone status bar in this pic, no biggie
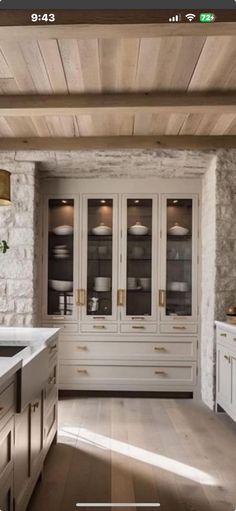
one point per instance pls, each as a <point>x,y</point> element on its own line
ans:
<point>109,17</point>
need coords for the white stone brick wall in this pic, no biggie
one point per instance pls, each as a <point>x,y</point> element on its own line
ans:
<point>17,266</point>
<point>208,236</point>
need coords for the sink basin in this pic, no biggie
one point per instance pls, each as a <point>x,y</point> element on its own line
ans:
<point>10,351</point>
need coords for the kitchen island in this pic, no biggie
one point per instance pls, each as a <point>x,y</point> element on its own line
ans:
<point>226,368</point>
<point>28,410</point>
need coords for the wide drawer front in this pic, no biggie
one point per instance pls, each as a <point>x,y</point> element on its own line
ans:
<point>138,328</point>
<point>100,328</point>
<point>65,327</point>
<point>178,329</point>
<point>163,374</point>
<point>146,350</point>
<point>224,335</point>
<point>7,400</point>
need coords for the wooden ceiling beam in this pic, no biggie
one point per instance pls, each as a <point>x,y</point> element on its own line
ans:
<point>115,30</point>
<point>118,142</point>
<point>30,106</point>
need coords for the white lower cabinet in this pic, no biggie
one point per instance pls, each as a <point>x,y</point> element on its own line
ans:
<point>6,493</point>
<point>226,368</point>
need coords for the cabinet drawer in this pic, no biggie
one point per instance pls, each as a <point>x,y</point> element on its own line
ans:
<point>178,373</point>
<point>7,400</point>
<point>99,328</point>
<point>180,328</point>
<point>51,387</point>
<point>66,327</point>
<point>6,448</point>
<point>138,328</point>
<point>223,335</point>
<point>131,350</point>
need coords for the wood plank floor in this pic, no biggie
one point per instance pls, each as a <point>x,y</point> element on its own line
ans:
<point>176,452</point>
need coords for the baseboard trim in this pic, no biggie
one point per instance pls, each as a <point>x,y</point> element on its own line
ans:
<point>124,393</point>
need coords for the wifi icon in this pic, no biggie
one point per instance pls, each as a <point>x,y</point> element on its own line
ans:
<point>190,16</point>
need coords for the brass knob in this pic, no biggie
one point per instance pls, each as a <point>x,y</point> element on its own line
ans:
<point>159,348</point>
<point>84,348</point>
<point>160,372</point>
<point>138,327</point>
<point>223,335</point>
<point>82,371</point>
<point>179,327</point>
<point>99,327</point>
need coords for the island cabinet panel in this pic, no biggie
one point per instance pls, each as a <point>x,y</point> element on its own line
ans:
<point>36,431</point>
<point>226,368</point>
<point>6,493</point>
<point>22,457</point>
<point>121,265</point>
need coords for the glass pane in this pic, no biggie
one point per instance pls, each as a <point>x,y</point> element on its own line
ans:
<point>60,257</point>
<point>179,257</point>
<point>99,277</point>
<point>139,257</point>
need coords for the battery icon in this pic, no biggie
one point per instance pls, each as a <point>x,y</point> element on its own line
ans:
<point>207,17</point>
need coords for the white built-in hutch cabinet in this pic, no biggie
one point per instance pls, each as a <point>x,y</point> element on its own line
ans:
<point>129,320</point>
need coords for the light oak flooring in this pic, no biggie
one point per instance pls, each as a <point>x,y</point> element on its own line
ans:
<point>175,452</point>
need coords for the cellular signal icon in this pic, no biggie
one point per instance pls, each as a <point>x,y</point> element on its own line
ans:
<point>175,18</point>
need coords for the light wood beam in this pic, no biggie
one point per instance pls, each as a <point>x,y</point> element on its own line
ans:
<point>30,106</point>
<point>115,30</point>
<point>119,142</point>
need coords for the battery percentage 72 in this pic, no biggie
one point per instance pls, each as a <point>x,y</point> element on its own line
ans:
<point>207,17</point>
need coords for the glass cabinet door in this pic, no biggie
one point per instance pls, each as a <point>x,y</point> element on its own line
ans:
<point>60,285</point>
<point>100,257</point>
<point>180,258</point>
<point>139,258</point>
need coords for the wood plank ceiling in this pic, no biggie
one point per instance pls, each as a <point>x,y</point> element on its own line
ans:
<point>163,64</point>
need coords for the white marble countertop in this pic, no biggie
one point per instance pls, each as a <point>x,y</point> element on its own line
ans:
<point>35,340</point>
<point>227,326</point>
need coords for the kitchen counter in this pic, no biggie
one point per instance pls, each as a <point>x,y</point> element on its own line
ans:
<point>35,340</point>
<point>226,326</point>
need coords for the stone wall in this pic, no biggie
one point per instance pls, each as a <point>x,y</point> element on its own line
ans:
<point>18,227</point>
<point>218,259</point>
<point>208,236</point>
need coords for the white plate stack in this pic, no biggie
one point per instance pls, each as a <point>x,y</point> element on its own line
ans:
<point>60,252</point>
<point>102,284</point>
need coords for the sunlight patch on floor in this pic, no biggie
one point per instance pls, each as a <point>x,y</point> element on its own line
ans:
<point>103,442</point>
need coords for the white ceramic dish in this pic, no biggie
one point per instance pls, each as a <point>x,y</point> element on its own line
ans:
<point>63,230</point>
<point>61,285</point>
<point>145,283</point>
<point>178,230</point>
<point>138,229</point>
<point>102,230</point>
<point>61,256</point>
<point>178,286</point>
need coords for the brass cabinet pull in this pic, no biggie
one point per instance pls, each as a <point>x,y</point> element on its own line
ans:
<point>82,371</point>
<point>179,327</point>
<point>34,406</point>
<point>80,297</point>
<point>160,372</point>
<point>120,297</point>
<point>227,357</point>
<point>84,348</point>
<point>137,318</point>
<point>162,296</point>
<point>53,347</point>
<point>138,327</point>
<point>159,348</point>
<point>223,335</point>
<point>99,327</point>
<point>52,379</point>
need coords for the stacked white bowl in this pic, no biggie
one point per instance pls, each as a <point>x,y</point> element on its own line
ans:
<point>61,252</point>
<point>102,283</point>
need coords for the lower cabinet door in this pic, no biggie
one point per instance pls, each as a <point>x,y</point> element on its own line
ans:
<point>6,493</point>
<point>233,385</point>
<point>22,455</point>
<point>223,376</point>
<point>36,430</point>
